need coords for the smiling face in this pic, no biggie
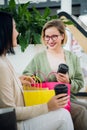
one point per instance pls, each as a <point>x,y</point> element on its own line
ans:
<point>53,38</point>
<point>53,34</point>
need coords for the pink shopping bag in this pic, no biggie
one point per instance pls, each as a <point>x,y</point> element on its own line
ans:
<point>51,85</point>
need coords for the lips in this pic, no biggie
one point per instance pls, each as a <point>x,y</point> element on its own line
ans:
<point>52,44</point>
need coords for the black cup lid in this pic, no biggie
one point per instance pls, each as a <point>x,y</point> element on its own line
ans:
<point>61,88</point>
<point>63,68</point>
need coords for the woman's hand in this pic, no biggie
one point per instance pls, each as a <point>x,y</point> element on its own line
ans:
<point>64,78</point>
<point>26,80</point>
<point>58,101</point>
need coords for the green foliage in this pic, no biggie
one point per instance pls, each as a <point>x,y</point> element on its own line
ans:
<point>29,23</point>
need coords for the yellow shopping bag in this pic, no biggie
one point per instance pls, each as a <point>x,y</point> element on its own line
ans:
<point>35,94</point>
<point>34,97</point>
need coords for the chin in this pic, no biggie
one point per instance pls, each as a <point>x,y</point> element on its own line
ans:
<point>14,44</point>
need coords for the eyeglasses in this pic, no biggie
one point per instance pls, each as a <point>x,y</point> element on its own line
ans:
<point>53,37</point>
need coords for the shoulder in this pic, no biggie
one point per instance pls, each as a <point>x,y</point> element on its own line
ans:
<point>3,66</point>
<point>40,55</point>
<point>70,54</point>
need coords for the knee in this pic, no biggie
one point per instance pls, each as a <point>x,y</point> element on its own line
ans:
<point>79,116</point>
<point>65,114</point>
<point>67,119</point>
<point>77,111</point>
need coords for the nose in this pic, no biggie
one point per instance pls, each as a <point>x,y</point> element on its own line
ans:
<point>17,32</point>
<point>50,40</point>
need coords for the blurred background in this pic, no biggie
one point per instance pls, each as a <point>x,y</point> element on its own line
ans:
<point>78,7</point>
<point>77,35</point>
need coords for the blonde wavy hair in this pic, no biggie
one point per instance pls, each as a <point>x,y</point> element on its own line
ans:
<point>57,24</point>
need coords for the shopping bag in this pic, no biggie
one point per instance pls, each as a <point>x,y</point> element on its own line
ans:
<point>35,97</point>
<point>42,95</point>
<point>51,85</point>
<point>35,94</point>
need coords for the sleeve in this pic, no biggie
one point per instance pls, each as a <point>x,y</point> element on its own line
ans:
<point>6,89</point>
<point>77,81</point>
<point>7,98</point>
<point>24,113</point>
<point>31,67</point>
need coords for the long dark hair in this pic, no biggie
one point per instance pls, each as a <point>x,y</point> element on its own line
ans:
<point>6,32</point>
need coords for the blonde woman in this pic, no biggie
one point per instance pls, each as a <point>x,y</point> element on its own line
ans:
<point>54,37</point>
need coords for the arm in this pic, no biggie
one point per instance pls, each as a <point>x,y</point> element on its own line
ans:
<point>77,81</point>
<point>75,76</point>
<point>30,68</point>
<point>12,96</point>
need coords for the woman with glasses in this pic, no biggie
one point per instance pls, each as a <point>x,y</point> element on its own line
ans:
<point>54,37</point>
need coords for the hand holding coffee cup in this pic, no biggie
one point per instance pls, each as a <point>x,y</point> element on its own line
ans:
<point>61,92</point>
<point>62,74</point>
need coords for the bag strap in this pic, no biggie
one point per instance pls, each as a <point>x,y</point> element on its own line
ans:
<point>51,73</point>
<point>46,77</point>
<point>38,82</point>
